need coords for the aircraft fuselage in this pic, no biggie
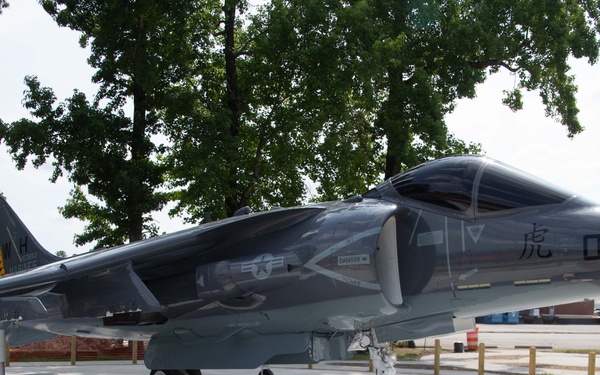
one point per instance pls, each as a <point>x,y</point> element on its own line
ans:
<point>421,254</point>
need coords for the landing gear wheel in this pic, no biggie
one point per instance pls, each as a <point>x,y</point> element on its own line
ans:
<point>164,372</point>
<point>265,371</point>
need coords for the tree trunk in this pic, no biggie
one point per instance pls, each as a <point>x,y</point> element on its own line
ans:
<point>139,149</point>
<point>232,201</point>
<point>397,129</point>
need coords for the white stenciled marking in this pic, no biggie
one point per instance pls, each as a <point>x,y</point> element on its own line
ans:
<point>262,266</point>
<point>475,231</point>
<point>354,260</point>
<point>430,238</point>
<point>312,264</point>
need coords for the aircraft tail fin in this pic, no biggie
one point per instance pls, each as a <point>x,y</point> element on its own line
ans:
<point>20,251</point>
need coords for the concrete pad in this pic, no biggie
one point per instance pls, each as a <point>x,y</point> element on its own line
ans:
<point>501,357</point>
<point>110,368</point>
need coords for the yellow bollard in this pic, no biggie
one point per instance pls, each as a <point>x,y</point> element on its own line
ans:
<point>592,363</point>
<point>7,363</point>
<point>73,350</point>
<point>436,357</point>
<point>371,367</point>
<point>134,352</point>
<point>532,364</point>
<point>481,359</point>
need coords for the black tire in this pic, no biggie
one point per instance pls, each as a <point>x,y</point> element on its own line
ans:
<point>265,371</point>
<point>175,372</point>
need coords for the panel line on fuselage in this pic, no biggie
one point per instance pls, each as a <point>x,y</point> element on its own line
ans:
<point>412,235</point>
<point>462,235</point>
<point>447,245</point>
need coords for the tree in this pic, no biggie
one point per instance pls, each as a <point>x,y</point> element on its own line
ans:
<point>140,50</point>
<point>387,72</point>
<point>3,4</point>
<point>339,85</point>
<point>240,143</point>
<point>91,145</point>
<point>345,92</point>
<point>274,111</point>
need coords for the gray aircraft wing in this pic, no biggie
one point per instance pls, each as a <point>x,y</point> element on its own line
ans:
<point>162,250</point>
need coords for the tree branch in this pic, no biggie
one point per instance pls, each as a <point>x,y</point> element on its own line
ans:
<point>491,62</point>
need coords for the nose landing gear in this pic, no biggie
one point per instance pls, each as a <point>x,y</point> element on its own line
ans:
<point>381,353</point>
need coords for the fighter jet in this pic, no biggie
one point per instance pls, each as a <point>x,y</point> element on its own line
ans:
<point>422,254</point>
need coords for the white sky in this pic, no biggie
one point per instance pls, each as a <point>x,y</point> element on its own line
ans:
<point>32,44</point>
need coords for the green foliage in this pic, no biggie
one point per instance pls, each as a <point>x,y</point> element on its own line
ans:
<point>369,102</point>
<point>513,99</point>
<point>61,253</point>
<point>383,74</point>
<point>106,223</point>
<point>249,105</point>
<point>3,4</point>
<point>144,46</point>
<point>242,141</point>
<point>142,51</point>
<point>534,40</point>
<point>92,145</point>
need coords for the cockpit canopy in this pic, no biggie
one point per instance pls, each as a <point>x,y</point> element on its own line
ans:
<point>470,185</point>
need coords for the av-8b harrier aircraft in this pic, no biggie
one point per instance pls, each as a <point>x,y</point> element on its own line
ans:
<point>422,254</point>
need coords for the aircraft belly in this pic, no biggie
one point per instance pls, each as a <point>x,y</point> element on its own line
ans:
<point>340,314</point>
<point>256,337</point>
<point>510,298</point>
<point>248,352</point>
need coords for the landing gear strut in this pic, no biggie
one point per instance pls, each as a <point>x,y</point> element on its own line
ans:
<point>381,353</point>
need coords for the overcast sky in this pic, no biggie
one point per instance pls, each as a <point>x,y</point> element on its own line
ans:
<point>32,44</point>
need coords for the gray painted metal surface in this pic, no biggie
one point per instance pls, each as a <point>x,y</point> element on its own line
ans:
<point>422,254</point>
